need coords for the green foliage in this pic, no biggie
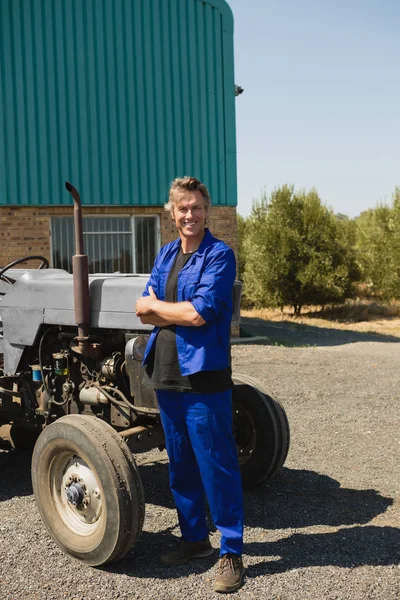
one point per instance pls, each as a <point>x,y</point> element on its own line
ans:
<point>241,225</point>
<point>374,233</point>
<point>378,247</point>
<point>296,252</point>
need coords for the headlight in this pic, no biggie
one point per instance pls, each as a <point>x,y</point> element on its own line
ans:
<point>138,347</point>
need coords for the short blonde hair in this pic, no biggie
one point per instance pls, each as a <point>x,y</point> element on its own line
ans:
<point>186,184</point>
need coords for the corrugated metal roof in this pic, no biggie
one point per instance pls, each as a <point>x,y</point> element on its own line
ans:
<point>116,96</point>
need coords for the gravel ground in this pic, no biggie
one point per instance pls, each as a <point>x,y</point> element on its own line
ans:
<point>327,527</point>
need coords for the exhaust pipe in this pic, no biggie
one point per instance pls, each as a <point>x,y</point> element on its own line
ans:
<point>80,272</point>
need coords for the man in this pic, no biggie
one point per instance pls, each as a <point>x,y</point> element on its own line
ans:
<point>189,301</point>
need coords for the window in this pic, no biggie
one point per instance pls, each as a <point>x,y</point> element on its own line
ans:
<point>113,244</point>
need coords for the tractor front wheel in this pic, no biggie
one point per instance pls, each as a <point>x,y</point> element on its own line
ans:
<point>87,489</point>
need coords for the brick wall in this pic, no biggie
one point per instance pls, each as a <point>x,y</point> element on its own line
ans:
<point>26,230</point>
<point>23,231</point>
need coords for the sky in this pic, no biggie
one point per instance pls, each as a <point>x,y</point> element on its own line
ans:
<point>321,101</point>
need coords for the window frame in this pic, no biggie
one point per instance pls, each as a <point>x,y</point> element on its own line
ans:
<point>132,233</point>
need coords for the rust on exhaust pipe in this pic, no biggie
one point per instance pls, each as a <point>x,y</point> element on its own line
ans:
<point>80,272</point>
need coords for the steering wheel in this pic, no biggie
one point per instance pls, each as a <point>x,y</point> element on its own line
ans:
<point>43,265</point>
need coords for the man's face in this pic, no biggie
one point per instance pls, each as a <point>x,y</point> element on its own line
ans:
<point>190,215</point>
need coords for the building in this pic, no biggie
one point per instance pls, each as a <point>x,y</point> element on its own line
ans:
<point>118,97</point>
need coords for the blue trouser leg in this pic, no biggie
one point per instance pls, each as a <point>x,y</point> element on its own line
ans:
<point>204,421</point>
<point>184,476</point>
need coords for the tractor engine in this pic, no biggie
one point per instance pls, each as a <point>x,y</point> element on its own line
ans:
<point>101,377</point>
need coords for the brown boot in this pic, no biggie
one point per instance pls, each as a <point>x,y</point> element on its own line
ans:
<point>186,551</point>
<point>230,574</point>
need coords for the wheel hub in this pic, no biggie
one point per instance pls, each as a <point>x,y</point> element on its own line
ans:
<point>75,494</point>
<point>79,499</point>
<point>244,432</point>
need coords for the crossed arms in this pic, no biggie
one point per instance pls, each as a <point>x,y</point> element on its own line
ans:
<point>153,311</point>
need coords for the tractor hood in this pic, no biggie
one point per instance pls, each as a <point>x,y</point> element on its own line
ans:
<point>47,297</point>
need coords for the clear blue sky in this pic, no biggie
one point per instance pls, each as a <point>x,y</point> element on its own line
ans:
<point>321,101</point>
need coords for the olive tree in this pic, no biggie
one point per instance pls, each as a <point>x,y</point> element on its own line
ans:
<point>241,228</point>
<point>297,252</point>
<point>378,247</point>
<point>375,241</point>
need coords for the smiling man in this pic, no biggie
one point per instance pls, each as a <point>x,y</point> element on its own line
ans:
<point>188,299</point>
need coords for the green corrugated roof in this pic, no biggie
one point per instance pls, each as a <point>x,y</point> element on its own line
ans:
<point>116,96</point>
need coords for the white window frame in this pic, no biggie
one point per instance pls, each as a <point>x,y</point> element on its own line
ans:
<point>132,233</point>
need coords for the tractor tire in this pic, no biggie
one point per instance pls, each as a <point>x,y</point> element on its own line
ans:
<point>261,431</point>
<point>88,489</point>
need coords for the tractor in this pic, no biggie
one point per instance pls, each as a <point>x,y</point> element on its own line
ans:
<point>72,388</point>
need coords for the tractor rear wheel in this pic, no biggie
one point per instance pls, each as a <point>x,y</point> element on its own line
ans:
<point>261,431</point>
<point>88,489</point>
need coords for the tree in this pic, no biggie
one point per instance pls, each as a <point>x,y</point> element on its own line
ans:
<point>375,233</point>
<point>241,225</point>
<point>394,290</point>
<point>297,252</point>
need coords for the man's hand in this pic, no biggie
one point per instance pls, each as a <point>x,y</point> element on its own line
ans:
<point>145,304</point>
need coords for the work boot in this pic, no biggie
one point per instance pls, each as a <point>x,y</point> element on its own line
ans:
<point>230,573</point>
<point>186,551</point>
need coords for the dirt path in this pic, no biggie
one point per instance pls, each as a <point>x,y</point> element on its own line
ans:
<point>327,527</point>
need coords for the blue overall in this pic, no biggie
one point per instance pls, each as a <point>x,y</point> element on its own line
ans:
<point>198,427</point>
<point>203,458</point>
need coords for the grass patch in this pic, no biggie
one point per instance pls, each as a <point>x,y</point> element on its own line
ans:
<point>353,315</point>
<point>356,312</point>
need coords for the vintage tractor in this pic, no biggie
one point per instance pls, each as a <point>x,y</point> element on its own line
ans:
<point>71,383</point>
